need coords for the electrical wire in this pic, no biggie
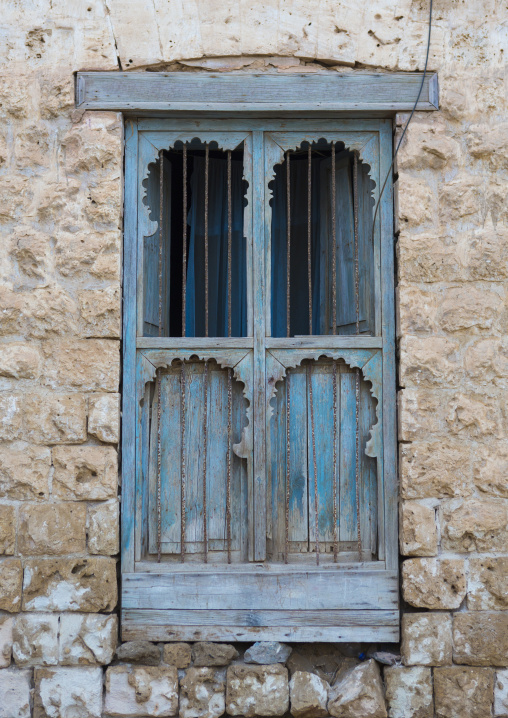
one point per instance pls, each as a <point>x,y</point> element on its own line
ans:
<point>407,123</point>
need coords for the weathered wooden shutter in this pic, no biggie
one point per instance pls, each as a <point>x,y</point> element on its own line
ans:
<point>259,520</point>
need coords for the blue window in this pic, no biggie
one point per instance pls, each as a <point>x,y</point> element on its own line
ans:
<point>259,465</point>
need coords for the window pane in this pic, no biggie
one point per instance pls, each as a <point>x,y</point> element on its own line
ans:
<point>208,224</point>
<point>320,226</point>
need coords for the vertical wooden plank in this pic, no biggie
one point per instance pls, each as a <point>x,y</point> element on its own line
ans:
<point>142,473</point>
<point>129,413</point>
<point>299,472</point>
<point>194,453</point>
<point>217,450</point>
<point>368,486</point>
<point>239,479</point>
<point>247,229</point>
<point>170,465</point>
<point>347,459</point>
<point>261,239</point>
<point>323,421</point>
<point>388,487</point>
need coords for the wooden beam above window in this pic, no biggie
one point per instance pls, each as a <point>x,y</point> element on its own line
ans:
<point>212,92</point>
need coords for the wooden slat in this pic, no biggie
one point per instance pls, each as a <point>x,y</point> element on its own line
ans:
<point>325,342</point>
<point>257,518</point>
<point>357,626</point>
<point>129,413</point>
<point>194,343</point>
<point>131,91</point>
<point>267,618</point>
<point>296,590</point>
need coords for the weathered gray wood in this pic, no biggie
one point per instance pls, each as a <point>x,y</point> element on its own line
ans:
<point>195,343</point>
<point>267,618</point>
<point>325,342</point>
<point>153,626</point>
<point>132,91</point>
<point>300,590</point>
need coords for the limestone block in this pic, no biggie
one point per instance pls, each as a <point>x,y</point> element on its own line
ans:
<point>87,365</point>
<point>423,257</point>
<point>474,525</point>
<point>17,195</point>
<point>487,587</point>
<point>409,692</point>
<point>32,147</point>
<point>85,472</point>
<point>68,693</point>
<point>426,145</point>
<point>7,529</point>
<point>463,692</point>
<point>100,312</point>
<point>460,198</point>
<point>475,416</point>
<point>416,202</point>
<point>88,251</point>
<point>6,626</point>
<point>93,144</point>
<point>418,530</point>
<point>489,144</point>
<point>11,583</point>
<point>257,690</point>
<point>435,469</point>
<point>358,692</point>
<point>24,472</point>
<point>480,639</point>
<point>177,654</point>
<point>104,417</point>
<point>205,653</point>
<point>52,529</point>
<point>10,417</point>
<point>70,584</point>
<point>139,652</point>
<point>42,313</point>
<point>421,413</point>
<point>426,639</point>
<point>263,652</point>
<point>54,418</point>
<point>486,361</point>
<point>59,201</point>
<point>487,252</point>
<point>434,583</point>
<point>88,639</point>
<point>57,96</point>
<point>141,691</point>
<point>35,639</point>
<point>501,693</point>
<point>490,469</point>
<point>471,307</point>
<point>308,695</point>
<point>202,693</point>
<point>103,526</point>
<point>417,309</point>
<point>104,208</point>
<point>430,361</point>
<point>20,361</point>
<point>15,692</point>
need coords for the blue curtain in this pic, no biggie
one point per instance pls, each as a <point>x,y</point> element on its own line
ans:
<point>299,295</point>
<point>217,251</point>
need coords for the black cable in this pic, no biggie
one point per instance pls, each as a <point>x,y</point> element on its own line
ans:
<point>407,123</point>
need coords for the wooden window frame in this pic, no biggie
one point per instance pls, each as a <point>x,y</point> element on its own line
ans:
<point>356,603</point>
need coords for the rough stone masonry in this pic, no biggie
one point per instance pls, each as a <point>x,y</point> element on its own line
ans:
<point>60,269</point>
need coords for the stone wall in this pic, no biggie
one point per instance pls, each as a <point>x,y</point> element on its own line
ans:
<point>60,214</point>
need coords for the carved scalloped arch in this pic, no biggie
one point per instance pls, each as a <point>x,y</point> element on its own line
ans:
<point>238,360</point>
<point>365,142</point>
<point>368,361</point>
<point>166,141</point>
